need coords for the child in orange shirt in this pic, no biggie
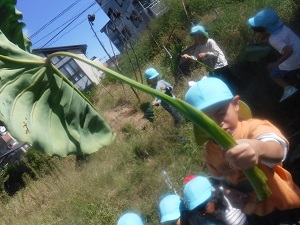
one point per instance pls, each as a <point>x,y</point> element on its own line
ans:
<point>259,143</point>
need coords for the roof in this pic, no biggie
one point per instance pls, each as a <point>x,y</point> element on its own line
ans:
<point>83,48</point>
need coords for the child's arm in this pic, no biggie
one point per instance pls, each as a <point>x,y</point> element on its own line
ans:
<point>167,87</point>
<point>287,51</point>
<point>187,56</point>
<point>212,52</point>
<point>248,152</point>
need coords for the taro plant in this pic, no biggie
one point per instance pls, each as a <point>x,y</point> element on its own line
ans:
<point>40,106</point>
<point>37,103</point>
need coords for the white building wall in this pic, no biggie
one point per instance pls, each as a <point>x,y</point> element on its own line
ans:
<point>91,74</point>
<point>94,74</point>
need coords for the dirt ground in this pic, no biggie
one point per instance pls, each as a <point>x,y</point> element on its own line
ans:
<point>123,115</point>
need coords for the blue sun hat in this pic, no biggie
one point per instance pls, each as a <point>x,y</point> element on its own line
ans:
<point>267,18</point>
<point>169,208</point>
<point>207,92</point>
<point>130,218</point>
<point>210,91</point>
<point>197,191</point>
<point>151,73</point>
<point>197,29</point>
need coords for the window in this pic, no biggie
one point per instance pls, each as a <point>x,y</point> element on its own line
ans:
<point>81,74</point>
<point>55,59</point>
<point>64,72</point>
<point>126,32</point>
<point>145,3</point>
<point>72,71</point>
<point>135,18</point>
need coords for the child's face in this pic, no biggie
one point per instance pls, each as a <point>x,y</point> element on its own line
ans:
<point>225,114</point>
<point>263,35</point>
<point>261,32</point>
<point>210,208</point>
<point>199,39</point>
<point>152,81</point>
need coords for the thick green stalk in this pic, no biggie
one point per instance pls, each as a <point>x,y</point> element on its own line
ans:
<point>255,176</point>
<point>210,69</point>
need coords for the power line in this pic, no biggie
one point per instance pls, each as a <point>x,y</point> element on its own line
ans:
<point>55,18</point>
<point>74,18</point>
<point>84,20</point>
<point>48,34</point>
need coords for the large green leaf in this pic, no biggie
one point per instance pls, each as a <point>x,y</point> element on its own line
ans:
<point>10,25</point>
<point>40,106</point>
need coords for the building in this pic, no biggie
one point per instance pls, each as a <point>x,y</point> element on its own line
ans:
<point>11,150</point>
<point>79,73</point>
<point>128,19</point>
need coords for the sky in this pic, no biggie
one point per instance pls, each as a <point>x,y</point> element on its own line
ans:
<point>49,24</point>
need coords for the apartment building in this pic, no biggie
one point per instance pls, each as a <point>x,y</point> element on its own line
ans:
<point>128,19</point>
<point>79,73</point>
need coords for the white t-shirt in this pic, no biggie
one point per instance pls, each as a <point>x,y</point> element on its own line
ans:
<point>287,37</point>
<point>215,58</point>
<point>230,215</point>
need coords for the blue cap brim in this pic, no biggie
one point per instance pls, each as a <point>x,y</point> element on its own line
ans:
<point>251,22</point>
<point>205,196</point>
<point>170,217</point>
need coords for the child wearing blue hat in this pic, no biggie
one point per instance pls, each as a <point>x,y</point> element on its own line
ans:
<point>201,208</point>
<point>209,52</point>
<point>259,143</point>
<point>130,218</point>
<point>267,25</point>
<point>223,209</point>
<point>169,208</point>
<point>152,77</point>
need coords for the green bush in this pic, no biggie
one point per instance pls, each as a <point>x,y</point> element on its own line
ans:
<point>32,165</point>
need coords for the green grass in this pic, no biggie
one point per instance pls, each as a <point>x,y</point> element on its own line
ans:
<point>127,175</point>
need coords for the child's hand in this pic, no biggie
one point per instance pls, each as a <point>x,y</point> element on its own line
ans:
<point>244,155</point>
<point>155,103</point>
<point>186,56</point>
<point>270,66</point>
<point>236,198</point>
<point>202,55</point>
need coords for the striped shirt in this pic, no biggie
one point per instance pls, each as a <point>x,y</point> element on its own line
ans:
<point>230,215</point>
<point>214,58</point>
